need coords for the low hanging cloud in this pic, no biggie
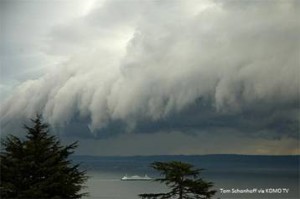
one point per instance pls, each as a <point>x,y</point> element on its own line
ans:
<point>158,65</point>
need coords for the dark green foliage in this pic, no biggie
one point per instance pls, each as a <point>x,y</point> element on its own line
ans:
<point>183,180</point>
<point>38,167</point>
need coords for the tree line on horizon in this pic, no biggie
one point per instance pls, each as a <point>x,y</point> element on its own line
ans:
<point>39,167</point>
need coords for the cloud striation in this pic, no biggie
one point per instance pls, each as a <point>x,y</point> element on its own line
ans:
<point>186,66</point>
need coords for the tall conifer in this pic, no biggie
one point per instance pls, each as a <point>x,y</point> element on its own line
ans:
<point>38,166</point>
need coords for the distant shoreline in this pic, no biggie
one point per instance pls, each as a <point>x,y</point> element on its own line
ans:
<point>204,155</point>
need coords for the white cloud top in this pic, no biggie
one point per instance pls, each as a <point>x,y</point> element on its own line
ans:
<point>132,60</point>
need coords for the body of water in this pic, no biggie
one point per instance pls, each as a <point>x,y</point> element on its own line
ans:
<point>234,176</point>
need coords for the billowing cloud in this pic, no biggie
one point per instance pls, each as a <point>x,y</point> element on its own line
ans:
<point>171,65</point>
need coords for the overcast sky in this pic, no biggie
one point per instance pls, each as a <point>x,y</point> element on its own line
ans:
<point>154,77</point>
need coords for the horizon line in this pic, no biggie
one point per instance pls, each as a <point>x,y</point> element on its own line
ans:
<point>215,154</point>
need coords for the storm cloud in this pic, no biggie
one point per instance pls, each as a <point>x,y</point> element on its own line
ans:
<point>187,66</point>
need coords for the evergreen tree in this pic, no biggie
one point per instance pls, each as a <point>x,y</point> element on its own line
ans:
<point>183,180</point>
<point>38,166</point>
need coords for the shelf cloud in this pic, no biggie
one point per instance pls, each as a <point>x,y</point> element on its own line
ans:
<point>152,66</point>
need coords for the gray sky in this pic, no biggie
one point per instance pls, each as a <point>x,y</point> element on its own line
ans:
<point>154,77</point>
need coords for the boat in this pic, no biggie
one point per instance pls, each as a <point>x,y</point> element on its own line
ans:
<point>136,178</point>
